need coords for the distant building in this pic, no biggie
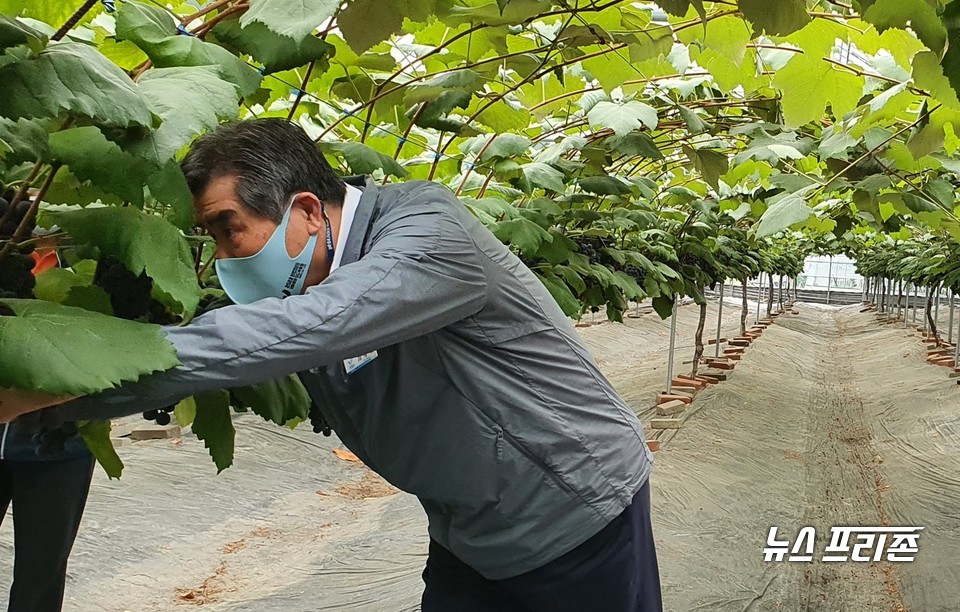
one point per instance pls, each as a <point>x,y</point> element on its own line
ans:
<point>837,271</point>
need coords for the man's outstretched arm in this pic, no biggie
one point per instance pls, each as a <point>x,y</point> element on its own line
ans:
<point>423,274</point>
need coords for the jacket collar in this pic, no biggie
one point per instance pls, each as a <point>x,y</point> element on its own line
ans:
<point>361,220</point>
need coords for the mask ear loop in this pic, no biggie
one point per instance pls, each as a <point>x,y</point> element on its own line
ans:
<point>326,220</point>
<point>317,420</point>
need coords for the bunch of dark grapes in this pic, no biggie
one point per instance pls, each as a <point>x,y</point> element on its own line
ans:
<point>161,416</point>
<point>50,442</point>
<point>130,295</point>
<point>638,274</point>
<point>590,246</point>
<point>131,298</point>
<point>16,269</point>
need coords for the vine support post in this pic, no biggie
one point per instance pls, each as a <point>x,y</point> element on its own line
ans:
<point>759,296</point>
<point>865,289</point>
<point>956,352</point>
<point>770,295</point>
<point>906,310</point>
<point>950,321</point>
<point>720,322</point>
<point>780,295</point>
<point>916,298</point>
<point>673,345</point>
<point>829,277</point>
<point>936,308</point>
<point>900,311</point>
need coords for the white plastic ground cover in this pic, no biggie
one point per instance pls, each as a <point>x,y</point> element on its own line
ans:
<point>829,420</point>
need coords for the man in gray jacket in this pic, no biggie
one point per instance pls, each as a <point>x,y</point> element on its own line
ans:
<point>436,356</point>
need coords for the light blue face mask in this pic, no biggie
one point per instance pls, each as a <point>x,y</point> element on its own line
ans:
<point>271,272</point>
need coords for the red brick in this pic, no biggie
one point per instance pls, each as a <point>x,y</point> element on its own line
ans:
<point>653,445</point>
<point>722,364</point>
<point>663,398</point>
<point>686,382</point>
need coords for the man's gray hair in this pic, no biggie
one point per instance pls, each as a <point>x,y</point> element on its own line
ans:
<point>272,160</point>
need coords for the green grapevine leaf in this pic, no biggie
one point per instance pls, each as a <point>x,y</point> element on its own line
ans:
<point>780,18</point>
<point>70,351</point>
<point>155,32</point>
<point>293,18</point>
<point>75,79</point>
<point>275,51</point>
<point>91,157</point>
<point>189,99</point>
<point>214,426</point>
<point>96,435</point>
<point>623,118</point>
<point>279,401</point>
<point>363,159</point>
<point>788,210</point>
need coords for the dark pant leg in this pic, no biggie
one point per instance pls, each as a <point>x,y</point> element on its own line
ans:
<point>453,586</point>
<point>48,502</point>
<point>614,571</point>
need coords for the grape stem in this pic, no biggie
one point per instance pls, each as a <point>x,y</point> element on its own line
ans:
<point>28,218</point>
<point>21,192</point>
<point>74,19</point>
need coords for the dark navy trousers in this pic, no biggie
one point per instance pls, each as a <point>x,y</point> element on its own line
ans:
<point>614,571</point>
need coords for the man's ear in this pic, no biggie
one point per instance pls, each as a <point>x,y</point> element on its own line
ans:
<point>309,205</point>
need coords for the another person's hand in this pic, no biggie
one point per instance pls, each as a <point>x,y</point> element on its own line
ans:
<point>14,402</point>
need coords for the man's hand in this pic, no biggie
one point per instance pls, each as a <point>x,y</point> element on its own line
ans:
<point>14,402</point>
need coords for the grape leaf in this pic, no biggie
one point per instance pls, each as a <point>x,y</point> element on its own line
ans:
<point>91,157</point>
<point>788,210</point>
<point>781,17</point>
<point>14,33</point>
<point>921,17</point>
<point>561,294</point>
<point>185,412</point>
<point>293,18</point>
<point>279,401</point>
<point>142,242</point>
<point>363,159</point>
<point>155,32</point>
<point>72,78</point>
<point>189,99</point>
<point>275,51</point>
<point>70,351</point>
<point>522,233</point>
<point>213,424</point>
<point>96,435</point>
<point>709,163</point>
<point>623,118</point>
<point>542,175</point>
<point>808,84</point>
<point>27,139</point>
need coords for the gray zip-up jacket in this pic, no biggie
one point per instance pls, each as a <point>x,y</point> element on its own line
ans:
<point>482,401</point>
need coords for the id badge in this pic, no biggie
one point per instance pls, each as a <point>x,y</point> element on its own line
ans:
<point>355,363</point>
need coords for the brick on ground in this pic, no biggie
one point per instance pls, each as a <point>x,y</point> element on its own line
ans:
<point>663,398</point>
<point>671,408</point>
<point>666,423</point>
<point>155,432</point>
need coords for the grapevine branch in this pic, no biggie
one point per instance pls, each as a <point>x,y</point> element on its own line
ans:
<point>74,19</point>
<point>25,223</point>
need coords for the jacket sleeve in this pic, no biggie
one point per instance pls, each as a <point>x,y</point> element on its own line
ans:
<point>422,273</point>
